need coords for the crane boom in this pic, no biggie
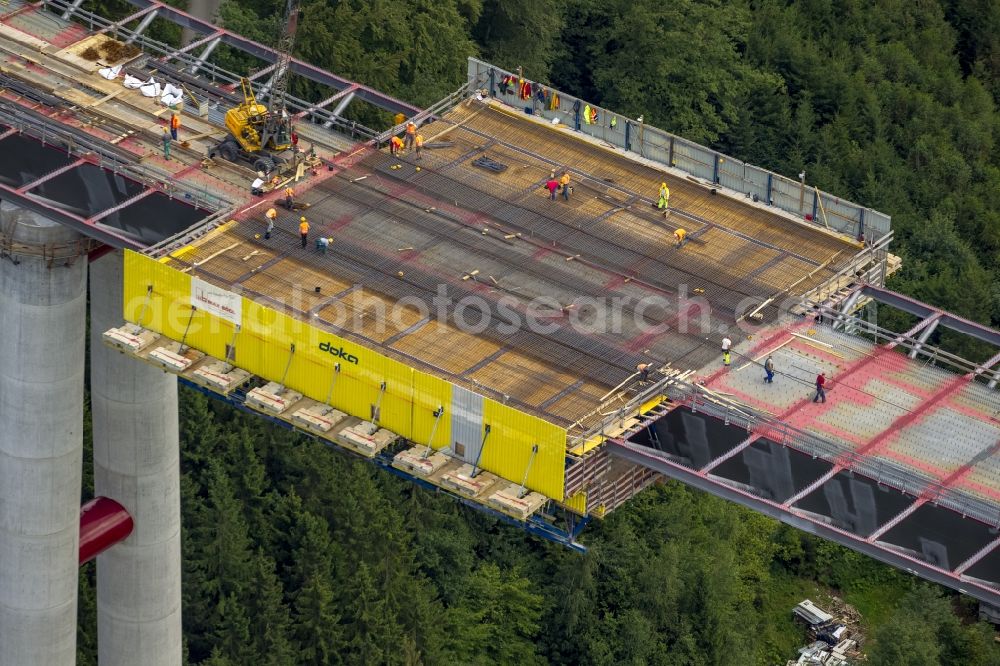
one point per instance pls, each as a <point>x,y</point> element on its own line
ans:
<point>260,133</point>
<point>283,70</point>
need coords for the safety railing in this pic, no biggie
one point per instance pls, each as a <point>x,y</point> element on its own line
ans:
<point>98,152</point>
<point>792,196</point>
<point>939,357</point>
<point>867,266</point>
<point>430,113</point>
<point>619,415</point>
<point>188,236</point>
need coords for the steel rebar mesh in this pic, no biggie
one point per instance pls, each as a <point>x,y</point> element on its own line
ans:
<point>548,275</point>
<point>402,233</point>
<point>379,273</point>
<point>757,222</point>
<point>416,217</point>
<point>615,248</point>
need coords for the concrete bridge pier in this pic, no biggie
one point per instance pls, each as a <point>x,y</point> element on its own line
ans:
<point>136,463</point>
<point>43,302</point>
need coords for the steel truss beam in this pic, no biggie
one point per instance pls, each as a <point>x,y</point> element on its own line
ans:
<point>926,333</point>
<point>924,311</point>
<point>141,28</point>
<point>68,219</point>
<point>326,102</point>
<point>192,46</point>
<point>976,557</point>
<point>263,71</point>
<point>72,8</point>
<point>921,325</point>
<point>124,204</point>
<point>649,458</point>
<point>299,67</point>
<point>52,174</point>
<point>117,24</point>
<point>987,365</point>
<point>203,56</point>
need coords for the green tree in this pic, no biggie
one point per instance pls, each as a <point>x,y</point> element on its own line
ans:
<point>678,64</point>
<point>230,630</point>
<point>218,659</point>
<point>217,569</point>
<point>520,33</point>
<point>317,623</point>
<point>270,621</point>
<point>372,635</point>
<point>86,610</point>
<point>501,617</point>
<point>925,630</point>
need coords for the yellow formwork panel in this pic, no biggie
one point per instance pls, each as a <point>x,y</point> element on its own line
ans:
<point>589,444</point>
<point>429,394</point>
<point>651,403</point>
<point>594,441</point>
<point>169,301</point>
<point>508,449</point>
<point>577,503</point>
<point>407,405</point>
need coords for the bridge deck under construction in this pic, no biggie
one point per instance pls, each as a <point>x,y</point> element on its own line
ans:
<point>547,309</point>
<point>404,228</point>
<point>400,232</point>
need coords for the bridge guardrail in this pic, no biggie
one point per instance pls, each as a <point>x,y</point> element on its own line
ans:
<point>792,196</point>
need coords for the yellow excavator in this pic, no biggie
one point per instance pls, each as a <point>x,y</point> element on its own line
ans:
<point>257,134</point>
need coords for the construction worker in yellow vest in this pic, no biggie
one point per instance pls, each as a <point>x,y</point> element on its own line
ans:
<point>304,231</point>
<point>289,195</point>
<point>664,201</point>
<point>398,119</point>
<point>564,184</point>
<point>419,143</point>
<point>411,134</point>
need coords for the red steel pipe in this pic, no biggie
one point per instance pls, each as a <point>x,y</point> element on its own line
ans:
<point>103,523</point>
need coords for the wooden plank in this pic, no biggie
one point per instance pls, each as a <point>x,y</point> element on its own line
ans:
<point>109,96</point>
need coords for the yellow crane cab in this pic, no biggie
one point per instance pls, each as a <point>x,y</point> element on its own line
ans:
<point>256,133</point>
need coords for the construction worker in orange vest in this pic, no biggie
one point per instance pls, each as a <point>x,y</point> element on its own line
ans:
<point>419,143</point>
<point>564,183</point>
<point>304,231</point>
<point>411,134</point>
<point>680,235</point>
<point>175,124</point>
<point>395,145</point>
<point>289,193</point>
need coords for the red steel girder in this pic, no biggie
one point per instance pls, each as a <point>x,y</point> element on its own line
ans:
<point>52,174</point>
